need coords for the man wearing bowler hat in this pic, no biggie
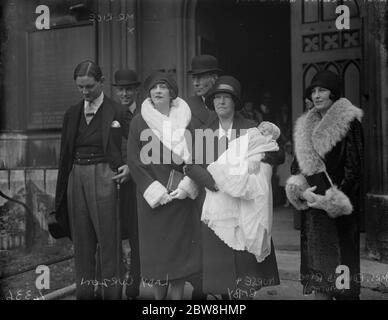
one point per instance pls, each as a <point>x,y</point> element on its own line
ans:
<point>204,72</point>
<point>127,85</point>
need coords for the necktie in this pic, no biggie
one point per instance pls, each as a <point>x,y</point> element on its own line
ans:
<point>89,112</point>
<point>222,145</point>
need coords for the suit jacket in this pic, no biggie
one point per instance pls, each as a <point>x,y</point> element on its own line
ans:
<point>130,116</point>
<point>200,115</point>
<point>112,138</point>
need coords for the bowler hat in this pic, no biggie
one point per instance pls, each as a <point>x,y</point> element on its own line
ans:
<point>125,77</point>
<point>328,80</point>
<point>159,76</point>
<point>225,84</point>
<point>203,64</point>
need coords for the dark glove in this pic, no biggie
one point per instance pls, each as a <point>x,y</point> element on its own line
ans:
<point>201,176</point>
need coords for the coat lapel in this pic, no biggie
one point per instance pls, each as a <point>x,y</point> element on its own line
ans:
<point>315,136</point>
<point>334,125</point>
<point>308,159</point>
<point>74,119</point>
<point>107,119</point>
<point>237,126</point>
<point>214,124</point>
<point>199,111</point>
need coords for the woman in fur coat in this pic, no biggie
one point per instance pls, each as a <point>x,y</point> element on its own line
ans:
<point>325,184</point>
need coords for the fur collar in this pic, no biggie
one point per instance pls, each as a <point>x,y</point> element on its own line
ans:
<point>170,129</point>
<point>315,136</point>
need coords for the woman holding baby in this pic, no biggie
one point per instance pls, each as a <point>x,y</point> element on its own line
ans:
<point>229,268</point>
<point>326,187</point>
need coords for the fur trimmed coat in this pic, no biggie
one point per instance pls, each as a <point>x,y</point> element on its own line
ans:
<point>169,237</point>
<point>329,233</point>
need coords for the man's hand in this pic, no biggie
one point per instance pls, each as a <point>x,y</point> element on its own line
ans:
<point>179,194</point>
<point>122,175</point>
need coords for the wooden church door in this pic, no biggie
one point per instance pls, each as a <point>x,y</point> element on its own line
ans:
<point>317,44</point>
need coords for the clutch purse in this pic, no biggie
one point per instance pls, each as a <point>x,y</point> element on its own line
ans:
<point>173,180</point>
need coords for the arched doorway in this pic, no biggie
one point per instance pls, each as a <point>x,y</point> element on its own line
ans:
<point>251,40</point>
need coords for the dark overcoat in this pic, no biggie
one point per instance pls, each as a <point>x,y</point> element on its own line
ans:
<point>200,114</point>
<point>129,223</point>
<point>228,271</point>
<point>168,239</point>
<point>112,138</point>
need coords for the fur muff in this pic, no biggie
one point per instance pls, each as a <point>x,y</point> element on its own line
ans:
<point>335,203</point>
<point>314,137</point>
<point>295,196</point>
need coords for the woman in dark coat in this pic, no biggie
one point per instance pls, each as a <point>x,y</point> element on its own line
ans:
<point>169,248</point>
<point>326,184</point>
<point>231,273</point>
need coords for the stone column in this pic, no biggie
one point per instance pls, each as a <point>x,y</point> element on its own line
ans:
<point>376,133</point>
<point>116,37</point>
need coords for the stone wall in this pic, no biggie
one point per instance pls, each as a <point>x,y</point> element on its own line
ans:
<point>35,188</point>
<point>33,150</point>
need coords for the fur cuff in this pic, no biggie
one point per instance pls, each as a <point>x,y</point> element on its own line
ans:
<point>335,203</point>
<point>295,196</point>
<point>154,193</point>
<point>189,186</point>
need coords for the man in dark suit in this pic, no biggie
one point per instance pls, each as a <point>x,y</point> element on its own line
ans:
<point>126,85</point>
<point>204,72</point>
<point>90,165</point>
<point>266,110</point>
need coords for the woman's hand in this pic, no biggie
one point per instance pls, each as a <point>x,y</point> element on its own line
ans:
<point>213,187</point>
<point>165,199</point>
<point>309,195</point>
<point>179,194</point>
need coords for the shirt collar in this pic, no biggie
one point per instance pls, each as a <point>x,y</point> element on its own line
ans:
<point>227,132</point>
<point>203,100</point>
<point>95,104</point>
<point>264,108</point>
<point>132,107</point>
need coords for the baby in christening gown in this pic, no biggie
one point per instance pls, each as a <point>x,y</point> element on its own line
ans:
<point>240,213</point>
